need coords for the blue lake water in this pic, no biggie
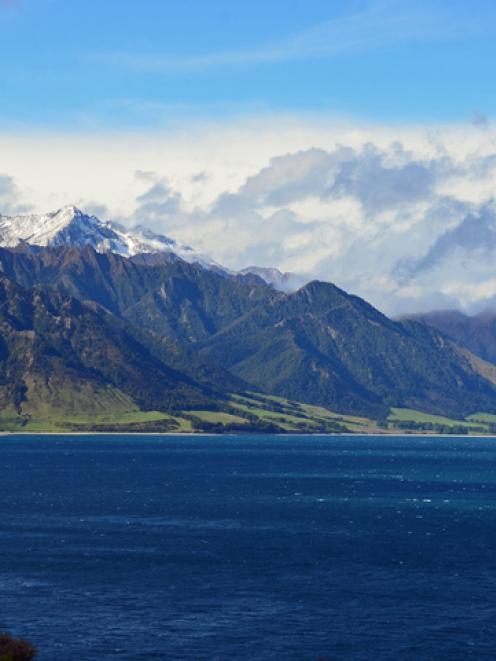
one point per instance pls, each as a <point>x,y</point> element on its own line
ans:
<point>249,547</point>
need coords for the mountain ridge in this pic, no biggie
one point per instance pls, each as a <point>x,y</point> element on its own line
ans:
<point>217,333</point>
<point>474,332</point>
<point>347,352</point>
<point>69,226</point>
<point>50,338</point>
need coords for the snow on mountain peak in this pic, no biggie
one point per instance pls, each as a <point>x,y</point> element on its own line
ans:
<point>71,226</point>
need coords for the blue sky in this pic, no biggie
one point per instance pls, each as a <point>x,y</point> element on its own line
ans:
<point>349,140</point>
<point>132,64</point>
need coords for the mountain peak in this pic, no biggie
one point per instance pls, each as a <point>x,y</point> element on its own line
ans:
<point>70,210</point>
<point>286,282</point>
<point>70,226</point>
<point>318,288</point>
<point>66,215</point>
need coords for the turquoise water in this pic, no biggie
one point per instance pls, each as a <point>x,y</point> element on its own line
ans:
<point>249,547</point>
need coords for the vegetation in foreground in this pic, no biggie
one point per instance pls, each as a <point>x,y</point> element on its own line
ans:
<point>15,649</point>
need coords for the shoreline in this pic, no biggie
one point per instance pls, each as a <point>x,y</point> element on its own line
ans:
<point>235,434</point>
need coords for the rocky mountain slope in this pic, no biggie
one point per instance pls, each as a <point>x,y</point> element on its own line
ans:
<point>69,226</point>
<point>59,353</point>
<point>319,345</point>
<point>322,345</point>
<point>477,333</point>
<point>171,297</point>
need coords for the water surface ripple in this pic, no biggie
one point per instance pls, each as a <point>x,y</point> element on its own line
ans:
<point>249,547</point>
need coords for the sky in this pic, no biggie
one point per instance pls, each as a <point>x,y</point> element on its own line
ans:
<point>348,140</point>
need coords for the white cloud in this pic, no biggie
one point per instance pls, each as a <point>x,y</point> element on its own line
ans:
<point>10,197</point>
<point>397,215</point>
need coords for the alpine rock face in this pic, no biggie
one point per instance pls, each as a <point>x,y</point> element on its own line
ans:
<point>71,227</point>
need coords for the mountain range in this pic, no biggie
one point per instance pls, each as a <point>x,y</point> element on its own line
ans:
<point>475,332</point>
<point>69,226</point>
<point>97,320</point>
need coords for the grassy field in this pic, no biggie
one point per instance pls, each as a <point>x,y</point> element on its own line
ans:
<point>216,417</point>
<point>285,418</point>
<point>295,416</point>
<point>317,414</point>
<point>418,416</point>
<point>482,417</point>
<point>252,410</point>
<point>476,422</point>
<point>54,422</point>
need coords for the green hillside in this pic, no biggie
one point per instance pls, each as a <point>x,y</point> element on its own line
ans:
<point>325,347</point>
<point>89,339</point>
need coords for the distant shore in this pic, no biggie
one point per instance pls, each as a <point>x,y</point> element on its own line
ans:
<point>235,434</point>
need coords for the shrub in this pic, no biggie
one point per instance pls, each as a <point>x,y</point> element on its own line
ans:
<point>15,649</point>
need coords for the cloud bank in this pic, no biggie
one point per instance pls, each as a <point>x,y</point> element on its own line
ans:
<point>10,197</point>
<point>407,231</point>
<point>405,218</point>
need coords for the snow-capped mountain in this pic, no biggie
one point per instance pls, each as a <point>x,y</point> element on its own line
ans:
<point>70,226</point>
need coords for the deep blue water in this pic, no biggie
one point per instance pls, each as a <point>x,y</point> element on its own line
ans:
<point>249,547</point>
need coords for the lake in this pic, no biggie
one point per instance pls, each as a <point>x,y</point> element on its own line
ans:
<point>249,547</point>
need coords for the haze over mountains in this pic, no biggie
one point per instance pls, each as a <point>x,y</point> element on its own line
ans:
<point>101,316</point>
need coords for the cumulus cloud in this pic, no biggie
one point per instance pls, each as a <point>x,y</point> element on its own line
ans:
<point>480,119</point>
<point>408,224</point>
<point>291,177</point>
<point>10,197</point>
<point>158,203</point>
<point>389,223</point>
<point>199,177</point>
<point>97,209</point>
<point>378,178</point>
<point>474,236</point>
<point>457,270</point>
<point>382,180</point>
